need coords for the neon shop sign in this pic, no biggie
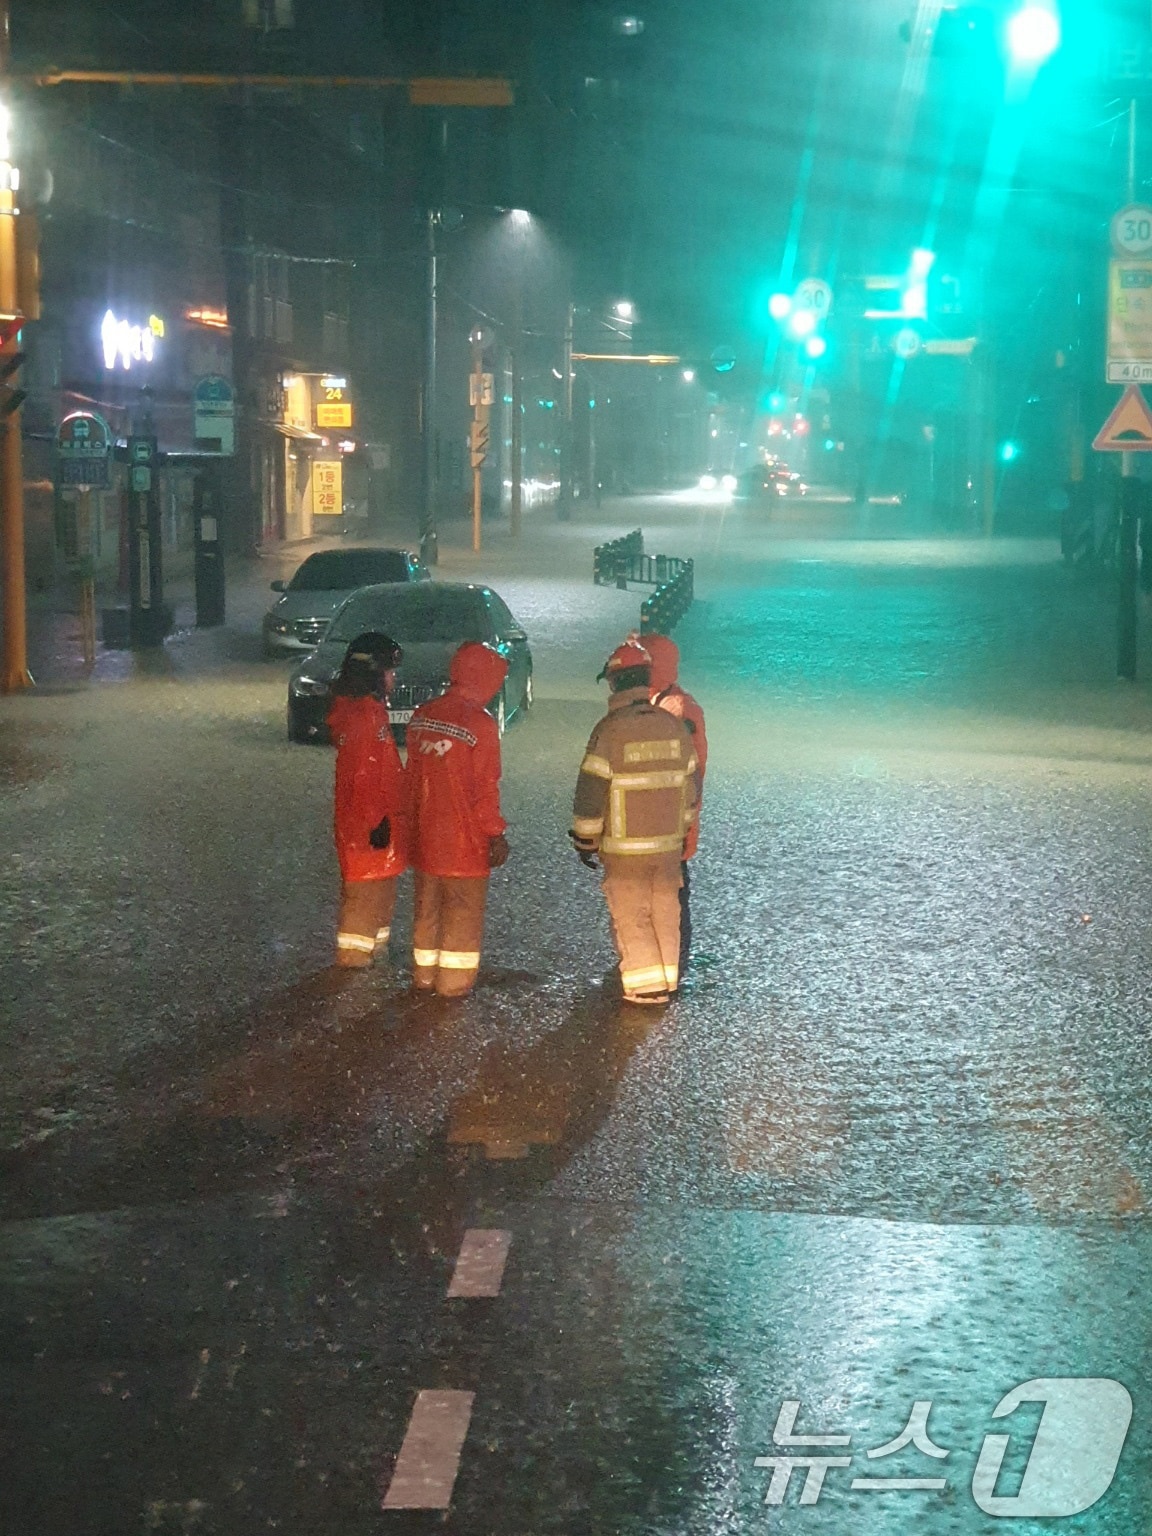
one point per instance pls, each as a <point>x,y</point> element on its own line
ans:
<point>125,344</point>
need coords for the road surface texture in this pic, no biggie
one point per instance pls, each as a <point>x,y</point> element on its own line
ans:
<point>889,1148</point>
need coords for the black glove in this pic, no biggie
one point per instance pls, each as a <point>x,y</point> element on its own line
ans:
<point>381,835</point>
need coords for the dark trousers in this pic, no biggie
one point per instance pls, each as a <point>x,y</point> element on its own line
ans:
<point>685,918</point>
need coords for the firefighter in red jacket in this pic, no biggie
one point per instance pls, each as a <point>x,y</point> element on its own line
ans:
<point>666,693</point>
<point>457,828</point>
<point>370,802</point>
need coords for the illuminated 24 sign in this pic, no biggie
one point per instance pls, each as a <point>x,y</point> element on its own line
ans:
<point>125,344</point>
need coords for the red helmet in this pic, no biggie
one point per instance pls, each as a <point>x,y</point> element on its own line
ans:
<point>630,654</point>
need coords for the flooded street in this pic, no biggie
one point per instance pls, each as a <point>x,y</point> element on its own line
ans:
<point>889,1147</point>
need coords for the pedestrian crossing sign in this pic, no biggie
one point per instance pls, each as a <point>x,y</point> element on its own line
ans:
<point>1129,427</point>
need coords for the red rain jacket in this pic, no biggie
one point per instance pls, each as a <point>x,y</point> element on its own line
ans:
<point>370,785</point>
<point>665,691</point>
<point>454,769</point>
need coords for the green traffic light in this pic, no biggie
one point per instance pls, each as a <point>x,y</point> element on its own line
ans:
<point>1034,34</point>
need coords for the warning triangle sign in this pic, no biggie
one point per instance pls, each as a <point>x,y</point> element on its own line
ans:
<point>1129,428</point>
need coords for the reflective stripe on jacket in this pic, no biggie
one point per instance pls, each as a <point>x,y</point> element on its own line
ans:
<point>636,793</point>
<point>369,786</point>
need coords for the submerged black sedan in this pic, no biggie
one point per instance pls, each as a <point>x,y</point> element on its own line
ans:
<point>430,620</point>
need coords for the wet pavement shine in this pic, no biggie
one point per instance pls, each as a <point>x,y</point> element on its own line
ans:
<point>283,1248</point>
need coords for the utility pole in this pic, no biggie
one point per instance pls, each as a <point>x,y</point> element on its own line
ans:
<point>15,663</point>
<point>1131,505</point>
<point>516,497</point>
<point>567,446</point>
<point>429,551</point>
<point>516,434</point>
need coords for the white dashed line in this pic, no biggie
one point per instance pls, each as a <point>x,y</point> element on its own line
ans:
<point>429,1459</point>
<point>480,1266</point>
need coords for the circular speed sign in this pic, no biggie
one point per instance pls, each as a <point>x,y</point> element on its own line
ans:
<point>1132,230</point>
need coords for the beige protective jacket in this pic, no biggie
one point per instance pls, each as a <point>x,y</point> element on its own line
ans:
<point>636,794</point>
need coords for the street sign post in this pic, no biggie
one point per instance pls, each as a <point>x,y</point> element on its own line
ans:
<point>1131,231</point>
<point>83,451</point>
<point>1129,427</point>
<point>481,395</point>
<point>813,294</point>
<point>214,410</point>
<point>1129,322</point>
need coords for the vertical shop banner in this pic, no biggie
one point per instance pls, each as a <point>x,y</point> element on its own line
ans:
<point>328,488</point>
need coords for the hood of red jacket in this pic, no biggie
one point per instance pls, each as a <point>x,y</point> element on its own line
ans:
<point>665,656</point>
<point>478,671</point>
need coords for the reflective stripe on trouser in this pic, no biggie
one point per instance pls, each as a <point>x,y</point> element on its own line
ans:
<point>643,897</point>
<point>447,930</point>
<point>366,908</point>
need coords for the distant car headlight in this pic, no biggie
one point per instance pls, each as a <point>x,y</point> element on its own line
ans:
<point>729,483</point>
<point>707,482</point>
<point>309,687</point>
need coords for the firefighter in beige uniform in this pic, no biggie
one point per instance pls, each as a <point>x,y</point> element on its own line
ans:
<point>635,804</point>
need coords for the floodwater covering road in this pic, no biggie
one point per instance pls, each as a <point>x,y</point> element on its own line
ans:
<point>288,1249</point>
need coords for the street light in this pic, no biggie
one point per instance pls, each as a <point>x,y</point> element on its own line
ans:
<point>1034,34</point>
<point>688,375</point>
<point>780,306</point>
<point>624,309</point>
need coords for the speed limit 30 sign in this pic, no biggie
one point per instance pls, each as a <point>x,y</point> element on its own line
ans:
<point>1131,230</point>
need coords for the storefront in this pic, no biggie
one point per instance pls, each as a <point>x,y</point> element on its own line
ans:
<point>304,440</point>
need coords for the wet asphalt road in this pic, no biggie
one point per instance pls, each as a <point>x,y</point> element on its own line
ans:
<point>891,1146</point>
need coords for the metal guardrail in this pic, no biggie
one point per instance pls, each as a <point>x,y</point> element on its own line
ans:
<point>611,562</point>
<point>660,613</point>
<point>623,560</point>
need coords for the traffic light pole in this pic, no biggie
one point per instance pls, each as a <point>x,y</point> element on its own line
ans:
<point>14,675</point>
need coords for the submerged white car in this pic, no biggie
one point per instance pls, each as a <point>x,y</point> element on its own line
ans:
<point>297,622</point>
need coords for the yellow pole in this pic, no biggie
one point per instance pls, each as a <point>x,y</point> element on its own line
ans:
<point>14,675</point>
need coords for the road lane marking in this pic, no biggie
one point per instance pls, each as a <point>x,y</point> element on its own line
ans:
<point>429,1459</point>
<point>480,1264</point>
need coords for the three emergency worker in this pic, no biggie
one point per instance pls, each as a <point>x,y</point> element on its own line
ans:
<point>636,811</point>
<point>634,807</point>
<point>371,813</point>
<point>457,829</point>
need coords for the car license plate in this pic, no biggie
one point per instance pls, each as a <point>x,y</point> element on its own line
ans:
<point>400,716</point>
